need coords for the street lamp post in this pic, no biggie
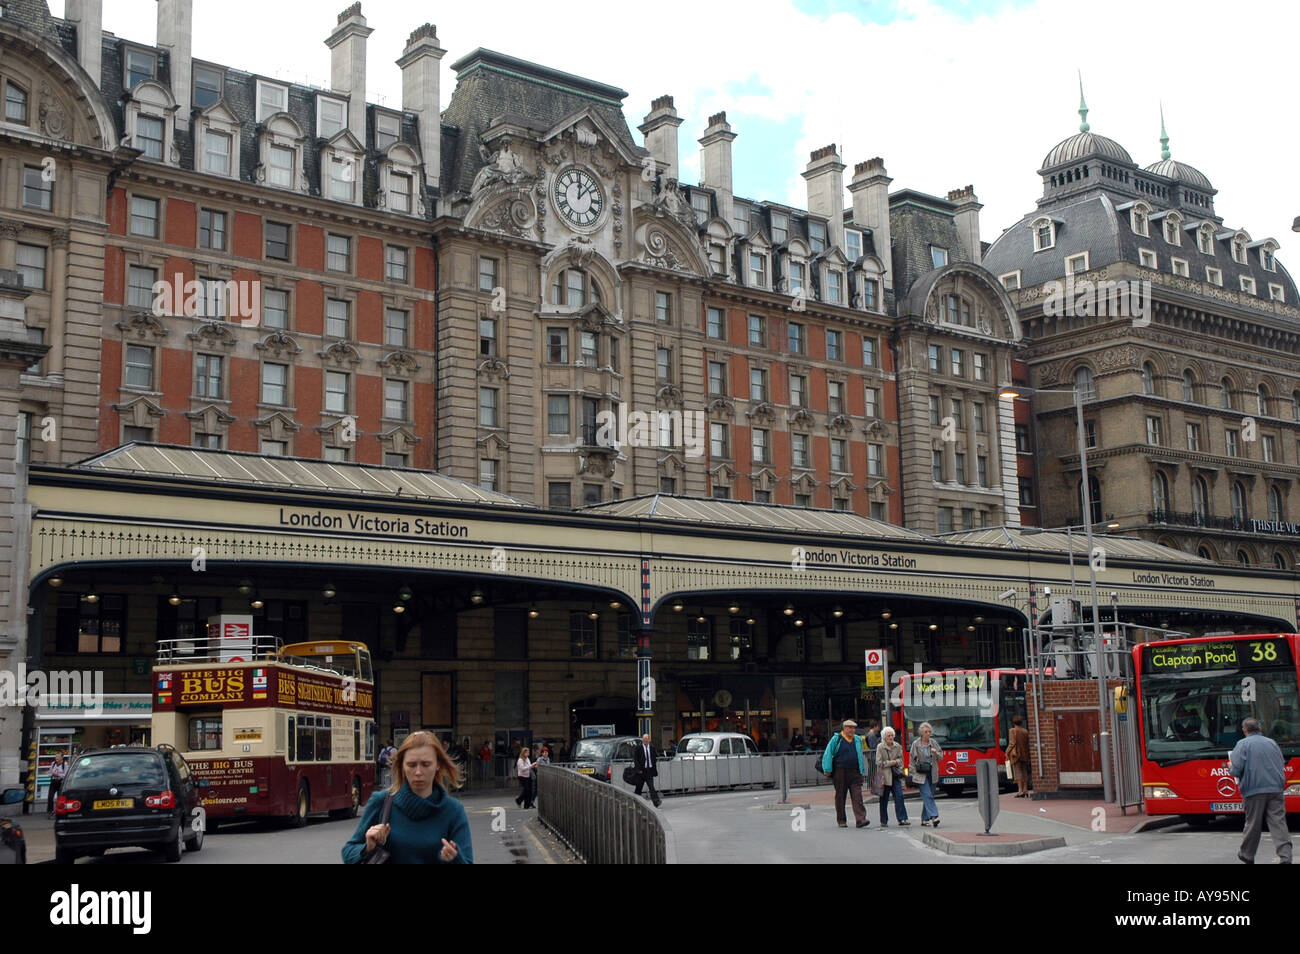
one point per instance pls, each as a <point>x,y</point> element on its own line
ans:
<point>1011,393</point>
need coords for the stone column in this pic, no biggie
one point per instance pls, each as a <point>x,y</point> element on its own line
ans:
<point>58,305</point>
<point>9,229</point>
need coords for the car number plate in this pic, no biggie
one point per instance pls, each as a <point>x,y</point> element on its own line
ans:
<point>586,771</point>
<point>109,803</point>
<point>1226,807</point>
<point>953,781</point>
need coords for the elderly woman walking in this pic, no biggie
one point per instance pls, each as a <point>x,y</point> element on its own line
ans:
<point>925,755</point>
<point>889,762</point>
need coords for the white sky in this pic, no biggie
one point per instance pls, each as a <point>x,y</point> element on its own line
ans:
<point>946,98</point>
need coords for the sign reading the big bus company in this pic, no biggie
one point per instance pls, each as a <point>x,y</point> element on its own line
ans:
<point>297,690</point>
<point>1197,657</point>
<point>260,687</point>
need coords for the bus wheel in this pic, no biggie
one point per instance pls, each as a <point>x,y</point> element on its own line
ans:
<point>1198,821</point>
<point>299,818</point>
<point>952,791</point>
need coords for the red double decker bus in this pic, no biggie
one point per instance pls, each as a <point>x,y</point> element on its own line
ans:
<point>269,731</point>
<point>970,711</point>
<point>1192,697</point>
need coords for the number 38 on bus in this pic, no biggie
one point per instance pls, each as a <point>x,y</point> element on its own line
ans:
<point>270,731</point>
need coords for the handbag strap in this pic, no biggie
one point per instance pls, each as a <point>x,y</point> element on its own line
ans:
<point>388,808</point>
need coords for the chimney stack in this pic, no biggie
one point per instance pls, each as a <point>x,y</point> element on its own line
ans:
<point>715,162</point>
<point>348,66</point>
<point>825,178</point>
<point>420,64</point>
<point>870,190</point>
<point>88,15</point>
<point>175,34</point>
<point>967,219</point>
<point>660,131</point>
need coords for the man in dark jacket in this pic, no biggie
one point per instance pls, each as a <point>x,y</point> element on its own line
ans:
<point>644,760</point>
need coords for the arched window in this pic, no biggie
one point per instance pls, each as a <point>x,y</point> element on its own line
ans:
<point>15,104</point>
<point>1204,553</point>
<point>1189,387</point>
<point>1083,383</point>
<point>1238,501</point>
<point>1200,497</point>
<point>573,288</point>
<point>1243,557</point>
<point>1148,378</point>
<point>1261,400</point>
<point>1094,491</point>
<point>1274,504</point>
<point>1159,492</point>
<point>1225,394</point>
<point>1279,560</point>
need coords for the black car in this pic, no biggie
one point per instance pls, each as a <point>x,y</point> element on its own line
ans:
<point>130,796</point>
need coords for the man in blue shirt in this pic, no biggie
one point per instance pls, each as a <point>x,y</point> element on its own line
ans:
<point>844,763</point>
<point>1260,770</point>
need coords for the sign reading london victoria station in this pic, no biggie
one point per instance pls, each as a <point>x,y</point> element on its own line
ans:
<point>1199,657</point>
<point>357,522</point>
<point>864,558</point>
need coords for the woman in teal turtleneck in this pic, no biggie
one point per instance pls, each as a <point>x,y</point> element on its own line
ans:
<point>426,825</point>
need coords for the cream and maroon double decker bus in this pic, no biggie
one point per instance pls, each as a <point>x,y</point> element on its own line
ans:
<point>269,731</point>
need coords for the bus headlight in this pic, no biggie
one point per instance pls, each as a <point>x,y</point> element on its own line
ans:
<point>1292,789</point>
<point>1160,791</point>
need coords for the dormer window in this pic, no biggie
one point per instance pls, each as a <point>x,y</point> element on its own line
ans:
<point>938,256</point>
<point>1011,280</point>
<point>216,152</point>
<point>852,244</point>
<point>280,156</point>
<point>1179,267</point>
<point>701,206</point>
<point>148,115</point>
<point>780,228</point>
<point>1276,293</point>
<point>388,129</point>
<point>342,178</point>
<point>1146,258</point>
<point>218,130</point>
<point>1173,234</point>
<point>271,99</point>
<point>281,167</point>
<point>1248,284</point>
<point>399,180</point>
<point>1076,264</point>
<point>1044,234</point>
<point>15,103</point>
<point>149,136</point>
<point>718,258</point>
<point>757,270</point>
<point>817,237</point>
<point>1266,259</point>
<point>835,286</point>
<point>331,116</point>
<point>796,278</point>
<point>1214,276</point>
<point>140,66</point>
<point>1137,218</point>
<point>1239,249</point>
<point>399,193</point>
<point>207,86</point>
<point>1205,239</point>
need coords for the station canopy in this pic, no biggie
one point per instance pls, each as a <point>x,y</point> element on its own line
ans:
<point>1063,542</point>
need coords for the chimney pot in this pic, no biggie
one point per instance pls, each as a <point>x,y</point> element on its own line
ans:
<point>660,131</point>
<point>663,102</point>
<point>352,11</point>
<point>718,119</point>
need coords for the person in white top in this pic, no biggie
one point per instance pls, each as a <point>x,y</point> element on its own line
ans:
<point>524,769</point>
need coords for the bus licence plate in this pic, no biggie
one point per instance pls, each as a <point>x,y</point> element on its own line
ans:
<point>1226,807</point>
<point>109,803</point>
<point>586,771</point>
<point>953,781</point>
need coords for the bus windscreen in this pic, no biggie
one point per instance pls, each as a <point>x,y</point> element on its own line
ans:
<point>954,726</point>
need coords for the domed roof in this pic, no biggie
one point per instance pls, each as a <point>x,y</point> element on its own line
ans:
<point>1173,169</point>
<point>1085,144</point>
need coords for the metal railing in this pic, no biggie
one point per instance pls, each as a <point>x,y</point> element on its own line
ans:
<point>601,824</point>
<point>684,774</point>
<point>1185,519</point>
<point>216,649</point>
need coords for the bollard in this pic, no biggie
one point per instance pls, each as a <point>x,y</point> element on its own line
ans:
<point>785,780</point>
<point>986,781</point>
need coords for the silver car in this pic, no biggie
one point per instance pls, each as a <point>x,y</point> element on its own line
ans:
<point>596,756</point>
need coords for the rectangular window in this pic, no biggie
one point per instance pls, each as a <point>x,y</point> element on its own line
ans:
<point>589,346</point>
<point>960,461</point>
<point>797,338</point>
<point>487,337</point>
<point>871,406</point>
<point>875,460</point>
<point>702,206</point>
<point>763,496</point>
<point>945,520</point>
<point>936,465</point>
<point>757,331</point>
<point>719,445</point>
<point>331,116</point>
<point>216,152</point>
<point>1076,264</point>
<point>1090,433</point>
<point>757,384</point>
<point>557,345</point>
<point>1026,491</point>
<point>799,450</point>
<point>30,264</point>
<point>275,384</point>
<point>206,86</point>
<point>342,178</point>
<point>1214,276</point>
<point>1232,443</point>
<point>557,414</point>
<point>140,282</point>
<point>938,256</point>
<point>1268,447</point>
<point>487,273</point>
<point>487,474</point>
<point>149,136</point>
<point>399,192</point>
<point>868,352</point>
<point>1010,281</point>
<point>834,286</point>
<point>396,327</point>
<point>86,627</point>
<point>338,256</point>
<point>796,279</point>
<point>1147,258</point>
<point>613,355</point>
<point>977,416</point>
<point>140,66</point>
<point>803,500</point>
<point>207,375</point>
<point>582,635</point>
<point>668,485</point>
<point>717,378</point>
<point>780,228</point>
<point>487,407</point>
<point>1153,430</point>
<point>277,241</point>
<point>717,258</point>
<point>699,638</point>
<point>337,455</point>
<point>852,245</point>
<point>1248,284</point>
<point>835,397</point>
<point>275,308</point>
<point>1022,439</point>
<point>15,104</point>
<point>967,518</point>
<point>212,229</point>
<point>140,435</point>
<point>144,216</point>
<point>981,366</point>
<point>664,363</point>
<point>760,446</point>
<point>139,367</point>
<point>336,392</point>
<point>982,470</point>
<point>38,191</point>
<point>817,237</point>
<point>757,270</point>
<point>935,412</point>
<point>1193,437</point>
<point>591,494</point>
<point>798,391</point>
<point>958,363</point>
<point>714,323</point>
<point>396,407</point>
<point>834,347</point>
<point>281,174</point>
<point>663,307</point>
<point>559,496</point>
<point>956,408</point>
<point>395,258</point>
<point>870,294</point>
<point>667,432</point>
<point>337,319</point>
<point>206,440</point>
<point>388,129</point>
<point>1276,292</point>
<point>936,358</point>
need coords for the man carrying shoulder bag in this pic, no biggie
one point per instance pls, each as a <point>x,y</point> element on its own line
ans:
<point>844,762</point>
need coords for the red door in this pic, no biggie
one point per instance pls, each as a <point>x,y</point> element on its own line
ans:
<point>1078,748</point>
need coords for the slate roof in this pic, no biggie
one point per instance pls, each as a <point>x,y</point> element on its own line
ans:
<point>916,222</point>
<point>1182,172</point>
<point>1083,144</point>
<point>490,85</point>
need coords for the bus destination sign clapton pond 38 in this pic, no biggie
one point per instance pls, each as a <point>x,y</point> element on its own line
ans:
<point>1188,657</point>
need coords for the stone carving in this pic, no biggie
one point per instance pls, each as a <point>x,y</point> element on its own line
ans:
<point>720,407</point>
<point>340,353</point>
<point>514,215</point>
<point>278,343</point>
<point>802,416</point>
<point>399,362</point>
<point>213,333</point>
<point>141,326</point>
<point>670,203</point>
<point>669,395</point>
<point>493,368</point>
<point>599,465</point>
<point>841,423</point>
<point>54,118</point>
<point>762,411</point>
<point>657,250</point>
<point>503,166</point>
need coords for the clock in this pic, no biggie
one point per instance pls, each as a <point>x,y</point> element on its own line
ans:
<point>578,197</point>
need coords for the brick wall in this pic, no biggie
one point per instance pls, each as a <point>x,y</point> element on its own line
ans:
<point>1058,694</point>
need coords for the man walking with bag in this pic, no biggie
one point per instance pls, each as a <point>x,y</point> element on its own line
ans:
<point>1261,775</point>
<point>643,759</point>
<point>844,762</point>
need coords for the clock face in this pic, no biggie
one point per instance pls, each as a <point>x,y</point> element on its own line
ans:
<point>578,197</point>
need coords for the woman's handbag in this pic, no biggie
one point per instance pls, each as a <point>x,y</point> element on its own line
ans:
<point>877,781</point>
<point>1010,774</point>
<point>380,855</point>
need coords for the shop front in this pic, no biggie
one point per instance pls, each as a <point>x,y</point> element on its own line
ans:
<point>69,724</point>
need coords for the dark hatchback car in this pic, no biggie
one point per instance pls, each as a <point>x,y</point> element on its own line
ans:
<point>596,756</point>
<point>128,797</point>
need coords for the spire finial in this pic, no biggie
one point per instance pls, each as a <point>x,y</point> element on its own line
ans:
<point>1164,136</point>
<point>1083,107</point>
